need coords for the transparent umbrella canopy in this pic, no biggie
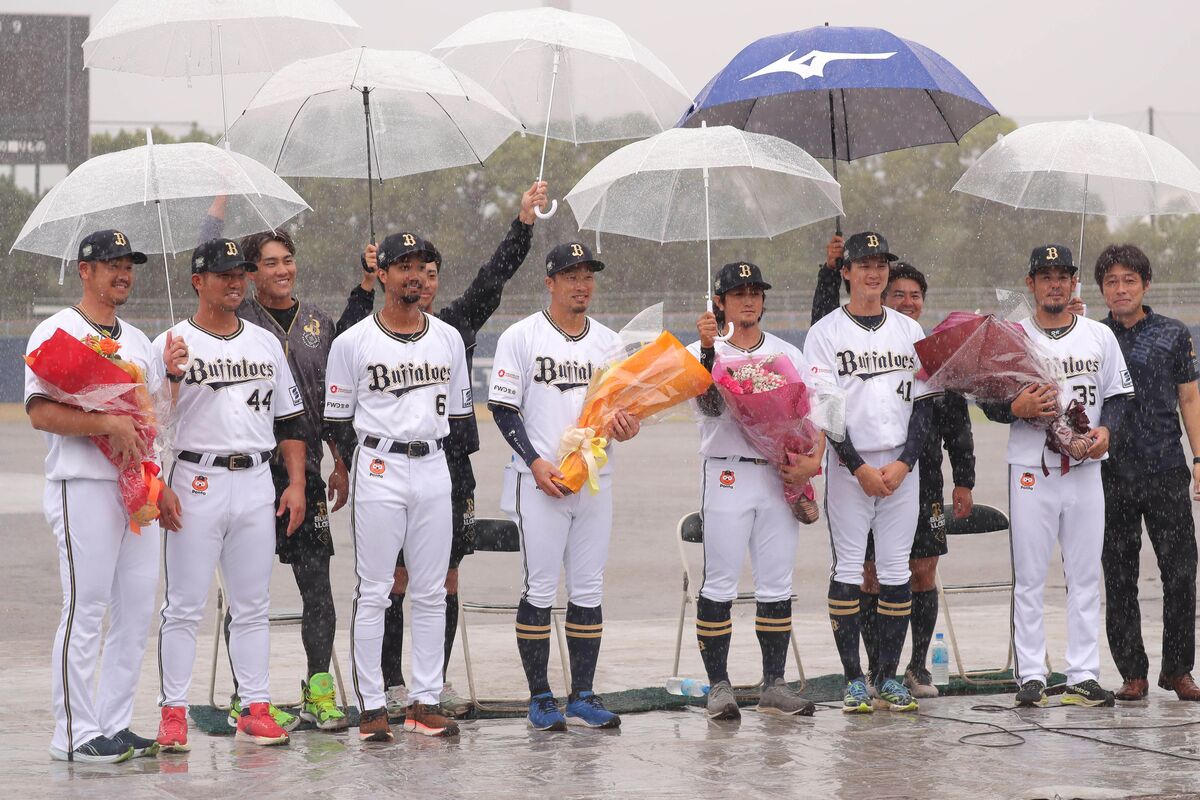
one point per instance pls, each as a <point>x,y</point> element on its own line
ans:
<point>182,38</point>
<point>158,196</point>
<point>567,76</point>
<point>364,112</point>
<point>688,184</point>
<point>1085,167</point>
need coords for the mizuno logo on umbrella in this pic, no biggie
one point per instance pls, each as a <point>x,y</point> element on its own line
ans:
<point>812,64</point>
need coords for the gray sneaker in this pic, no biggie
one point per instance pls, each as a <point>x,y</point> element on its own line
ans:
<point>920,682</point>
<point>721,703</point>
<point>396,698</point>
<point>452,703</point>
<point>779,698</point>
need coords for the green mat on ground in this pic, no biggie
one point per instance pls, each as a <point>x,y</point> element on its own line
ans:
<point>826,688</point>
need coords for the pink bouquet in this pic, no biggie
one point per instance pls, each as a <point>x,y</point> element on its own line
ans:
<point>771,404</point>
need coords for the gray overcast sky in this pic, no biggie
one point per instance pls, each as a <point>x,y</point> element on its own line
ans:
<point>1031,58</point>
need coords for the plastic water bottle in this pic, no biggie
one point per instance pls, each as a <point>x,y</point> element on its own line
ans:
<point>686,687</point>
<point>939,657</point>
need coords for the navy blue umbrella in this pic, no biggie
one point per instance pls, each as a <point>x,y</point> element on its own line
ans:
<point>842,93</point>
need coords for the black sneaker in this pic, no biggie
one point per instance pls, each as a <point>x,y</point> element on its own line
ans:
<point>100,750</point>
<point>142,747</point>
<point>1031,693</point>
<point>1087,693</point>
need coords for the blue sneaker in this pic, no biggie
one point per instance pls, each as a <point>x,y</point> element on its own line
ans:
<point>586,709</point>
<point>544,714</point>
<point>896,695</point>
<point>858,698</point>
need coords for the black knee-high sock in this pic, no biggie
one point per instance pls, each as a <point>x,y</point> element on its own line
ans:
<point>585,627</point>
<point>773,626</point>
<point>393,641</point>
<point>533,643</point>
<point>714,628</point>
<point>924,620</point>
<point>891,620</point>
<point>844,599</point>
<point>451,629</point>
<point>318,614</point>
<point>870,638</point>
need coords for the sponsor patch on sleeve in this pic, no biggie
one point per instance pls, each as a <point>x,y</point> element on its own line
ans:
<point>296,398</point>
<point>466,397</point>
<point>508,376</point>
<point>1126,381</point>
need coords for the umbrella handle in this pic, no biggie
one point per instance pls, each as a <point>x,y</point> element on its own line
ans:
<point>721,337</point>
<point>546,214</point>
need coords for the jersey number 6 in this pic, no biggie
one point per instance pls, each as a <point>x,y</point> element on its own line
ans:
<point>441,405</point>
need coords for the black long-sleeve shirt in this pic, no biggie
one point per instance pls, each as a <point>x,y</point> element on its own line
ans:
<point>951,425</point>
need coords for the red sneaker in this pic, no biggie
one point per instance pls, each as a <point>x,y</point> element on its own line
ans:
<point>172,730</point>
<point>256,724</point>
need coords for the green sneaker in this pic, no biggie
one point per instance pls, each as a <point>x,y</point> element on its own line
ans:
<point>318,706</point>
<point>282,718</point>
<point>896,696</point>
<point>857,699</point>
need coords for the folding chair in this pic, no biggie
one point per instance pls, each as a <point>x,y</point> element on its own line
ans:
<point>279,619</point>
<point>502,536</point>
<point>982,519</point>
<point>691,531</point>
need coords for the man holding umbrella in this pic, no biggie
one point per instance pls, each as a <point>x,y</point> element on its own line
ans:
<point>467,313</point>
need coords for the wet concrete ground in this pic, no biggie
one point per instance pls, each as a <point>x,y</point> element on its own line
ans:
<point>660,754</point>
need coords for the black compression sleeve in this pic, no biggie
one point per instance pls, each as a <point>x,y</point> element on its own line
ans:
<point>997,410</point>
<point>920,422</point>
<point>847,453</point>
<point>294,427</point>
<point>341,432</point>
<point>828,294</point>
<point>711,403</point>
<point>960,443</point>
<point>512,427</point>
<point>1113,413</point>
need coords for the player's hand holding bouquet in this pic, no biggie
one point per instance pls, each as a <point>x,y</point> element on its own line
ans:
<point>90,375</point>
<point>987,359</point>
<point>651,374</point>
<point>781,415</point>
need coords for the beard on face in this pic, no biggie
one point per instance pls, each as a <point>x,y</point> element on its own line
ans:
<point>1054,308</point>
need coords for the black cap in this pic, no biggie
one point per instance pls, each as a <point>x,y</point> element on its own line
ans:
<point>220,255</point>
<point>398,245</point>
<point>867,243</point>
<point>569,255</point>
<point>108,245</point>
<point>1052,255</point>
<point>739,273</point>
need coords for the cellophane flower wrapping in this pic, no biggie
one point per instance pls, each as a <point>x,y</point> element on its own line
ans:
<point>777,411</point>
<point>984,358</point>
<point>653,373</point>
<point>90,375</point>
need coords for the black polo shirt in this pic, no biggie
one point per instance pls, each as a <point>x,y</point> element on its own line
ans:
<point>1160,356</point>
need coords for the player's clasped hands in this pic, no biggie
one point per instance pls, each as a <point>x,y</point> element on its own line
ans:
<point>1036,400</point>
<point>872,482</point>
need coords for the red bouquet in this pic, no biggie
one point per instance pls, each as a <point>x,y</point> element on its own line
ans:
<point>91,376</point>
<point>986,359</point>
<point>771,404</point>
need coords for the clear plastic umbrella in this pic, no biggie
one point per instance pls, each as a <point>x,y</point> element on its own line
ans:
<point>158,196</point>
<point>182,38</point>
<point>1085,167</point>
<point>414,113</point>
<point>687,184</point>
<point>567,76</point>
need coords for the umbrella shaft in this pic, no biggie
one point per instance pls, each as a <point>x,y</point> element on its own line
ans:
<point>549,110</point>
<point>370,184</point>
<point>224,119</point>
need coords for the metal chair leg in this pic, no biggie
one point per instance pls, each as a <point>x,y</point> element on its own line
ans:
<point>466,648</point>
<point>218,631</point>
<point>679,634</point>
<point>562,651</point>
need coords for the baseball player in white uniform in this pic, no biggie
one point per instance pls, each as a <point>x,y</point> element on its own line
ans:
<point>235,398</point>
<point>1053,498</point>
<point>394,384</point>
<point>743,506</point>
<point>540,374</point>
<point>104,566</point>
<point>868,349</point>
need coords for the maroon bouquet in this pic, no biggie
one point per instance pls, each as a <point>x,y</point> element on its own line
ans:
<point>771,404</point>
<point>986,359</point>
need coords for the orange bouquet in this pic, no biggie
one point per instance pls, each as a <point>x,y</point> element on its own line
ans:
<point>89,374</point>
<point>659,375</point>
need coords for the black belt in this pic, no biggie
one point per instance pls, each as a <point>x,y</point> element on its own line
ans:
<point>410,449</point>
<point>233,462</point>
<point>762,462</point>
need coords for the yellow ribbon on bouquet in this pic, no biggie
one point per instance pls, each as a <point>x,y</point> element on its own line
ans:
<point>582,444</point>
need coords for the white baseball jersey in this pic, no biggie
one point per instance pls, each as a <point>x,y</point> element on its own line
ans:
<point>1089,367</point>
<point>721,436</point>
<point>76,456</point>
<point>395,386</point>
<point>877,367</point>
<point>543,372</point>
<point>234,389</point>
